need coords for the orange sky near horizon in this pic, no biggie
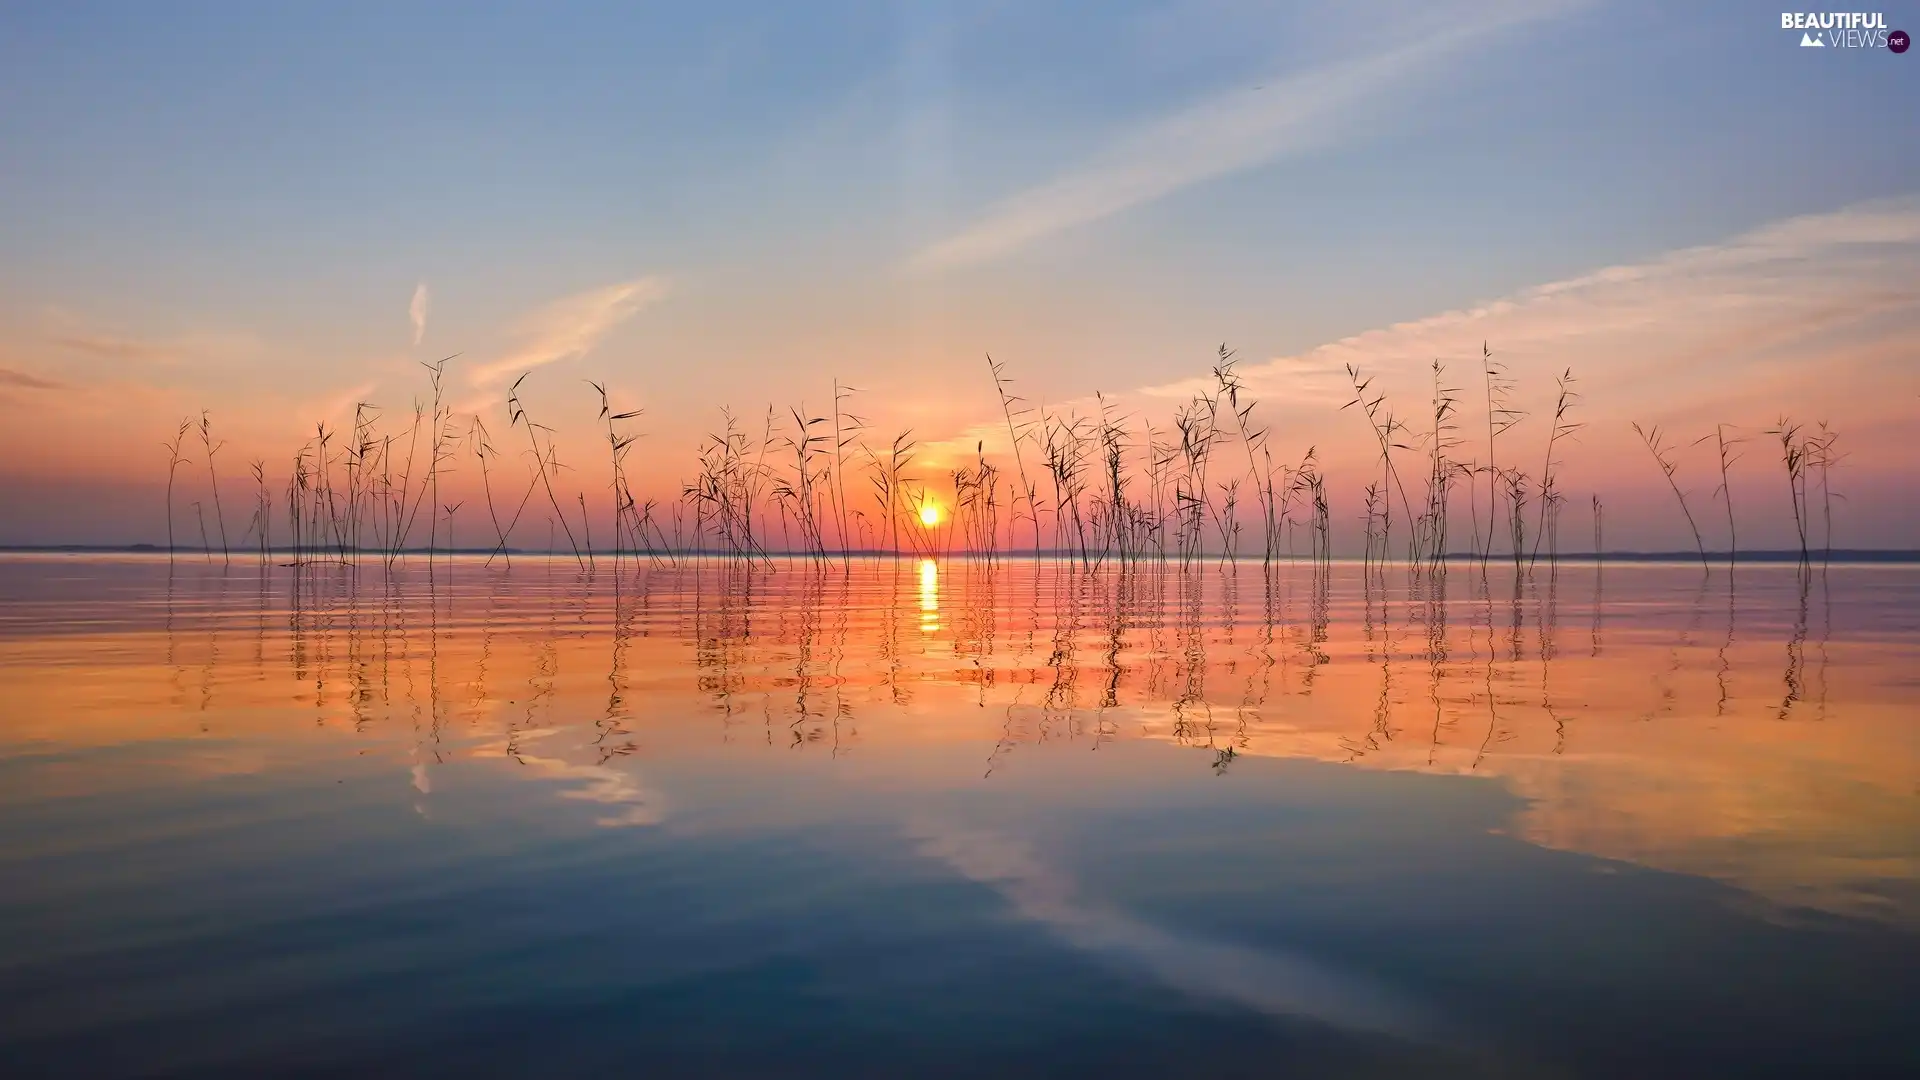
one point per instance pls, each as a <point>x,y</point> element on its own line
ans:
<point>1808,318</point>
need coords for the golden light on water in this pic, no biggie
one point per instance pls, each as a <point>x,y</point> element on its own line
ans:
<point>929,593</point>
<point>929,516</point>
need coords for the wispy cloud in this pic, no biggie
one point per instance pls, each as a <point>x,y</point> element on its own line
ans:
<point>1264,980</point>
<point>1708,320</point>
<point>570,327</point>
<point>417,311</point>
<point>109,347</point>
<point>24,381</point>
<point>1285,114</point>
<point>74,339</point>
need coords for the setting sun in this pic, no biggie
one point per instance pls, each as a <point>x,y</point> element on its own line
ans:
<point>929,515</point>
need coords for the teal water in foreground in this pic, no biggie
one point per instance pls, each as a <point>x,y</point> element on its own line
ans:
<point>955,819</point>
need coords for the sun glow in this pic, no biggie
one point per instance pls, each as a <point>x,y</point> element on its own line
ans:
<point>929,514</point>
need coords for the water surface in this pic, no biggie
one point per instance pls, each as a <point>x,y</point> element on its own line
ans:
<point>957,818</point>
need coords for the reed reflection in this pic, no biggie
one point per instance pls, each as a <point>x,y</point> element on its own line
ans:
<point>1643,749</point>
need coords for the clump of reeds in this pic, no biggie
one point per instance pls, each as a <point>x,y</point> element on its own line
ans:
<point>976,503</point>
<point>1065,451</point>
<point>891,484</point>
<point>1501,417</point>
<point>1515,483</point>
<point>1198,425</point>
<point>1663,456</point>
<point>1253,439</point>
<point>1312,484</point>
<point>726,490</point>
<point>799,495</point>
<point>1386,430</point>
<point>1119,488</point>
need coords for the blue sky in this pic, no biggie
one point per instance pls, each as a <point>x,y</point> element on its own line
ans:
<point>1096,192</point>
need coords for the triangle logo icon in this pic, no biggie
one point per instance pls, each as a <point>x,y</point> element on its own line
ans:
<point>1808,41</point>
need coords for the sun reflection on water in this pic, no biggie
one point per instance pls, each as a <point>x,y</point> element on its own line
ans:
<point>929,596</point>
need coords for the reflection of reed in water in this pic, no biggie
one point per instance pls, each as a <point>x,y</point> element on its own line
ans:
<point>1796,645</point>
<point>1192,666</point>
<point>1380,731</point>
<point>1723,673</point>
<point>1435,590</point>
<point>1128,649</point>
<point>1599,601</point>
<point>1666,693</point>
<point>176,674</point>
<point>1495,734</point>
<point>612,723</point>
<point>559,673</point>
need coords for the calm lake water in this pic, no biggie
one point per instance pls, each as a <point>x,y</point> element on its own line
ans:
<point>920,819</point>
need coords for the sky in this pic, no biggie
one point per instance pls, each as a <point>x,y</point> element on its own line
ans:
<point>272,212</point>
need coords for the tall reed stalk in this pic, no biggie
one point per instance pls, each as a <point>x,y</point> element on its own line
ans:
<point>213,481</point>
<point>1563,427</point>
<point>175,459</point>
<point>1663,456</point>
<point>1794,453</point>
<point>1725,450</point>
<point>1501,417</point>
<point>1014,411</point>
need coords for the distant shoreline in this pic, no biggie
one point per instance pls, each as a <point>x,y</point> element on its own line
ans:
<point>1718,558</point>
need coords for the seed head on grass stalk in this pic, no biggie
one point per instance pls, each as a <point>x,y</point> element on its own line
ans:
<point>451,509</point>
<point>1599,521</point>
